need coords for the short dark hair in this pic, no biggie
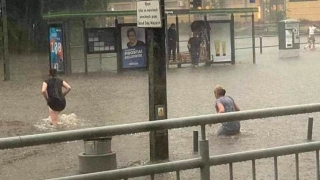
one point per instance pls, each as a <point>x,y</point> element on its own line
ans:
<point>53,72</point>
<point>173,24</point>
<point>131,30</point>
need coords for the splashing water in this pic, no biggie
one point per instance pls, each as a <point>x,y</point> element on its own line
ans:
<point>66,121</point>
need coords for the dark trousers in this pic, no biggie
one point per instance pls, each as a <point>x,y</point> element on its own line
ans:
<point>195,58</point>
<point>172,50</point>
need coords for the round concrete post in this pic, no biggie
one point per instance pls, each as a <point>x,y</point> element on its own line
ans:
<point>97,156</point>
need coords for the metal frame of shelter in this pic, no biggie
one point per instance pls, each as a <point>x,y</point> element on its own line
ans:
<point>64,17</point>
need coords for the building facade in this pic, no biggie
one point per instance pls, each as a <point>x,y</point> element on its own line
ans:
<point>303,9</point>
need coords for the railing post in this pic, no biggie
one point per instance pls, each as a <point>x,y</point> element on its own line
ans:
<point>260,44</point>
<point>203,132</point>
<point>317,165</point>
<point>195,141</point>
<point>310,127</point>
<point>204,153</point>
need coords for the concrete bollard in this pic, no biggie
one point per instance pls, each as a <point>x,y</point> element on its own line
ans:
<point>97,156</point>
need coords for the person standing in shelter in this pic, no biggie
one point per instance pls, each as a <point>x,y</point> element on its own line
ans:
<point>225,104</point>
<point>194,49</point>
<point>54,95</point>
<point>311,38</point>
<point>172,41</point>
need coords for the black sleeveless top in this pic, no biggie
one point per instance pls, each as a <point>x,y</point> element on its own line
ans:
<point>56,100</point>
<point>54,88</point>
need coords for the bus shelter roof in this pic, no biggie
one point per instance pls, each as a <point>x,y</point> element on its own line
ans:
<point>70,15</point>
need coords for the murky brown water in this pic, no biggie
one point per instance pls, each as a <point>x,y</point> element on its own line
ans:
<point>100,99</point>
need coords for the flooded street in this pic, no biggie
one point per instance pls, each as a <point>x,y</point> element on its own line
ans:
<point>102,99</point>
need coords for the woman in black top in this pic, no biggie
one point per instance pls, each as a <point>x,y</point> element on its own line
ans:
<point>55,97</point>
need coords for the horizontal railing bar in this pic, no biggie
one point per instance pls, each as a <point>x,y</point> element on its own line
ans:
<point>197,162</point>
<point>264,153</point>
<point>96,132</point>
<point>139,170</point>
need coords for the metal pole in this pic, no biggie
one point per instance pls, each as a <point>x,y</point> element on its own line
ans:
<point>260,44</point>
<point>167,41</point>
<point>317,162</point>
<point>310,127</point>
<point>253,40</point>
<point>203,132</point>
<point>276,168</point>
<point>159,145</point>
<point>85,48</point>
<point>233,49</point>
<point>297,166</point>
<point>178,39</point>
<point>177,175</point>
<point>195,141</point>
<point>4,44</point>
<point>231,171</point>
<point>253,170</point>
<point>204,153</point>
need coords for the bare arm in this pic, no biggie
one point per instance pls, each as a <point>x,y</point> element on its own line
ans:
<point>44,90</point>
<point>220,108</point>
<point>67,87</point>
<point>237,107</point>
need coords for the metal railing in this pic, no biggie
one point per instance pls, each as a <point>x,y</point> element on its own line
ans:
<point>203,162</point>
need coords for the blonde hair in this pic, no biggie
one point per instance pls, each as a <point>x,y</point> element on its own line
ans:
<point>219,90</point>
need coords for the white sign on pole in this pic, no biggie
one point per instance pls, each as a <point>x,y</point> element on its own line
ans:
<point>148,14</point>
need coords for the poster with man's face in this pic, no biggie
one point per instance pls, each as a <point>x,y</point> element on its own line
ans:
<point>133,47</point>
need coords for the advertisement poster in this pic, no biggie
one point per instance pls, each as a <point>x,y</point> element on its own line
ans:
<point>56,48</point>
<point>133,43</point>
<point>101,40</point>
<point>289,38</point>
<point>220,42</point>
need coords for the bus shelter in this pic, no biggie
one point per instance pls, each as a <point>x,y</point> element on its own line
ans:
<point>78,45</point>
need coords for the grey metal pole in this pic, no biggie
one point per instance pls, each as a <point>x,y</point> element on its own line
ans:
<point>178,35</point>
<point>177,175</point>
<point>260,44</point>
<point>85,48</point>
<point>195,141</point>
<point>276,168</point>
<point>253,169</point>
<point>253,40</point>
<point>231,171</point>
<point>204,153</point>
<point>297,166</point>
<point>159,143</point>
<point>317,165</point>
<point>203,132</point>
<point>5,48</point>
<point>310,128</point>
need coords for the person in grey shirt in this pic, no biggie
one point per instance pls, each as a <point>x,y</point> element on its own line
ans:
<point>225,104</point>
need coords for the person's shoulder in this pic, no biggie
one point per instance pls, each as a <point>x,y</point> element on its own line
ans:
<point>140,43</point>
<point>218,100</point>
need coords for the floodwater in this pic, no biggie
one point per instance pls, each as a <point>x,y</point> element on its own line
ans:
<point>101,99</point>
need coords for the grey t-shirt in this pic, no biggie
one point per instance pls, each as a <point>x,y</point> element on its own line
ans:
<point>228,104</point>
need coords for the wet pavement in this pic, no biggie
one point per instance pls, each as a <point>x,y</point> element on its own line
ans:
<point>101,99</point>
